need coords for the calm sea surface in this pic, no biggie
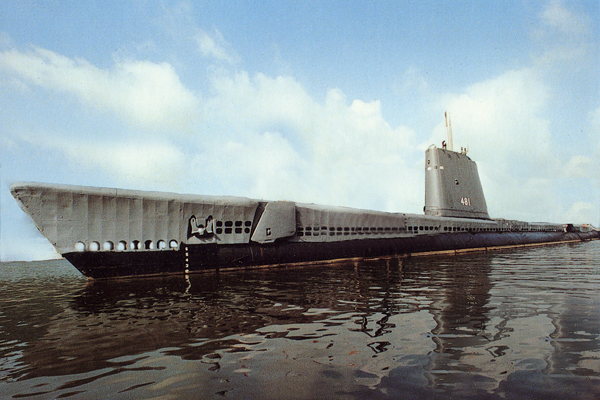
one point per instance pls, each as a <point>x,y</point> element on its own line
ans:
<point>515,324</point>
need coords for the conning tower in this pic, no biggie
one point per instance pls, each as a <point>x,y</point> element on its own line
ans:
<point>452,185</point>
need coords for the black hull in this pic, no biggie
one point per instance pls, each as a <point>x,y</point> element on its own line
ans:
<point>198,258</point>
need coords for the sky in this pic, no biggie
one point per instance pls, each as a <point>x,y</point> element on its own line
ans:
<point>327,102</point>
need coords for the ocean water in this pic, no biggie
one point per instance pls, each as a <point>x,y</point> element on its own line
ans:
<point>515,324</point>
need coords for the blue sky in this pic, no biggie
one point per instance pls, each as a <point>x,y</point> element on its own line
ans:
<point>323,102</point>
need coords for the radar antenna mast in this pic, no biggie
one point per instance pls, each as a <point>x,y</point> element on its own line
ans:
<point>449,131</point>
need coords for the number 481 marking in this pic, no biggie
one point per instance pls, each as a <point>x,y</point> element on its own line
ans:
<point>465,201</point>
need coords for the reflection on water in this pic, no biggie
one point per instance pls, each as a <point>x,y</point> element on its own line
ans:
<point>516,324</point>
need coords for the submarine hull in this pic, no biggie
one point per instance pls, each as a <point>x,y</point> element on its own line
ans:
<point>201,258</point>
<point>111,232</point>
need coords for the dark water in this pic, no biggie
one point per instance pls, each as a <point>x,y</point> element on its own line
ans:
<point>509,325</point>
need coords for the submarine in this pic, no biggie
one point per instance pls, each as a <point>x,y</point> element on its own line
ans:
<point>111,233</point>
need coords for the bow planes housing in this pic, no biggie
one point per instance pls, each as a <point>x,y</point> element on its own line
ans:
<point>107,233</point>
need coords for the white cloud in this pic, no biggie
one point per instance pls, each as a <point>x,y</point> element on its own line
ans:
<point>502,122</point>
<point>334,130</point>
<point>259,102</point>
<point>580,213</point>
<point>594,117</point>
<point>566,21</point>
<point>5,39</point>
<point>338,152</point>
<point>257,136</point>
<point>500,119</point>
<point>580,167</point>
<point>215,46</point>
<point>260,165</point>
<point>413,80</point>
<point>135,162</point>
<point>562,36</point>
<point>140,92</point>
<point>128,162</point>
<point>7,142</point>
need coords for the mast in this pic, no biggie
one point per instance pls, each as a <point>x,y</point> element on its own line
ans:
<point>449,131</point>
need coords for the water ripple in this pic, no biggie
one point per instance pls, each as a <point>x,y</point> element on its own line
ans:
<point>509,324</point>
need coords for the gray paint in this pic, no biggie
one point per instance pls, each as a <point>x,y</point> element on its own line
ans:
<point>277,221</point>
<point>452,185</point>
<point>343,223</point>
<point>68,215</point>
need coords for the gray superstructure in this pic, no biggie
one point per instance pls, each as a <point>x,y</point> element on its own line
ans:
<point>452,185</point>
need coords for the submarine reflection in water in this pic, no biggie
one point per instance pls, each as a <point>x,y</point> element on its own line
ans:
<point>475,324</point>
